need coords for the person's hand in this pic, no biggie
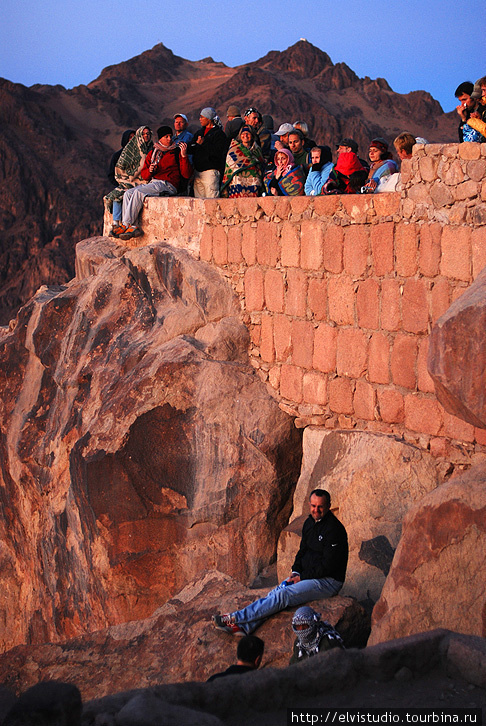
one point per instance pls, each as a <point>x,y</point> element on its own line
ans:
<point>274,191</point>
<point>279,146</point>
<point>152,168</point>
<point>461,111</point>
<point>474,114</point>
<point>199,140</point>
<point>183,148</point>
<point>294,577</point>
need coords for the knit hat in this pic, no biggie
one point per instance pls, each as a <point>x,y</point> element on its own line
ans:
<point>233,111</point>
<point>379,143</point>
<point>164,131</point>
<point>209,113</point>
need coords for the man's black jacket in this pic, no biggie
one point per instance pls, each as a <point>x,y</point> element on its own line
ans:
<point>323,550</point>
<point>211,154</point>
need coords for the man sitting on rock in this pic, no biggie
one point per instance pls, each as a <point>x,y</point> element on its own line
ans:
<point>318,571</point>
<point>249,654</point>
<point>165,165</point>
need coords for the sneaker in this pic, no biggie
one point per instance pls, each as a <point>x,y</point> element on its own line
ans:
<point>130,232</point>
<point>227,624</point>
<point>117,230</point>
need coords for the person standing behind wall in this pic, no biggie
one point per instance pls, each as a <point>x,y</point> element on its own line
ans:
<point>208,149</point>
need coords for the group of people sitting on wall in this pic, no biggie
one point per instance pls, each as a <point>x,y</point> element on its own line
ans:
<point>247,159</point>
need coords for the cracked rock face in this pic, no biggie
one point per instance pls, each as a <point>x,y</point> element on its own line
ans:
<point>139,448</point>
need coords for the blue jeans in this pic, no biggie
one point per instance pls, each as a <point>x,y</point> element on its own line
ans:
<point>283,596</point>
<point>117,211</point>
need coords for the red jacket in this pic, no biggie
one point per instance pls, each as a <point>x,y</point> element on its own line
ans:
<point>171,167</point>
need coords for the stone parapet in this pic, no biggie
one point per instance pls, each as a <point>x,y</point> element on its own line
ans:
<point>339,293</point>
<point>445,183</point>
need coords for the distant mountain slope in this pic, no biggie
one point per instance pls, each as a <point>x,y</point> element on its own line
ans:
<point>55,144</point>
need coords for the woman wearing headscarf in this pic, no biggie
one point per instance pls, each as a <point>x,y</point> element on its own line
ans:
<point>347,177</point>
<point>126,137</point>
<point>312,635</point>
<point>285,179</point>
<point>128,171</point>
<point>381,165</point>
<point>243,173</point>
<point>321,158</point>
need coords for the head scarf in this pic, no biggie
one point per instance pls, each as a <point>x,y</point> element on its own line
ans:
<point>290,157</point>
<point>126,137</point>
<point>326,157</point>
<point>348,163</point>
<point>133,155</point>
<point>308,639</point>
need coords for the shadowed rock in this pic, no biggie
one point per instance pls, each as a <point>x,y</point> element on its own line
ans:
<point>139,448</point>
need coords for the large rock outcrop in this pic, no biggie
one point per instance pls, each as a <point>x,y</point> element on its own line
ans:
<point>373,480</point>
<point>457,355</point>
<point>437,576</point>
<point>178,643</point>
<point>138,446</point>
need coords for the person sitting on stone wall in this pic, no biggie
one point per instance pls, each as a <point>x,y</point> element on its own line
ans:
<point>348,145</point>
<point>347,177</point>
<point>165,166</point>
<point>285,179</point>
<point>243,174</point>
<point>469,107</point>
<point>208,149</point>
<point>318,571</point>
<point>321,158</point>
<point>403,144</point>
<point>381,166</point>
<point>312,635</point>
<point>249,654</point>
<point>477,118</point>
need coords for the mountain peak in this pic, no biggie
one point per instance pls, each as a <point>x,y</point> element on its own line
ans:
<point>301,59</point>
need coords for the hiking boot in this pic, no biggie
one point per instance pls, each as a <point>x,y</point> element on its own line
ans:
<point>227,624</point>
<point>117,229</point>
<point>130,232</point>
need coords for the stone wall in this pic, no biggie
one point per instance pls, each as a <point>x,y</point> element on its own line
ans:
<point>340,292</point>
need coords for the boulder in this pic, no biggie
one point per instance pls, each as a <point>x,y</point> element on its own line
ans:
<point>138,446</point>
<point>373,480</point>
<point>457,355</point>
<point>437,575</point>
<point>177,643</point>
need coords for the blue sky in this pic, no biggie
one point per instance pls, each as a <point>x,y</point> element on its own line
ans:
<point>428,45</point>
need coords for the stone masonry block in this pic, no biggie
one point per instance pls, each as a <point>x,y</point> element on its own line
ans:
<point>468,150</point>
<point>456,428</point>
<point>291,380</point>
<point>387,205</point>
<point>333,249</point>
<point>478,246</point>
<point>364,400</point>
<point>317,297</point>
<point>220,245</point>
<point>274,287</point>
<point>326,205</point>
<point>430,249</point>
<point>367,304</point>
<point>467,190</point>
<point>379,359</point>
<point>341,300</point>
<point>406,249</point>
<point>439,299</point>
<point>234,243</point>
<point>352,348</point>
<point>403,361</point>
<point>311,253</point>
<point>283,206</point>
<point>248,244</point>
<point>423,414</point>
<point>381,236</point>
<point>456,253</point>
<point>325,345</point>
<point>428,168</point>
<point>356,249</point>
<point>296,296</point>
<point>390,305</point>
<point>289,245</point>
<point>476,169</point>
<point>391,406</point>
<point>254,289</point>
<point>356,206</point>
<point>424,381</point>
<point>266,344</point>
<point>302,343</point>
<point>267,243</point>
<point>282,337</point>
<point>206,246</point>
<point>441,195</point>
<point>415,309</point>
<point>341,395</point>
<point>315,387</point>
<point>247,206</point>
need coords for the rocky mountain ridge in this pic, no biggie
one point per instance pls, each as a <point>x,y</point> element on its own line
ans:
<point>56,143</point>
